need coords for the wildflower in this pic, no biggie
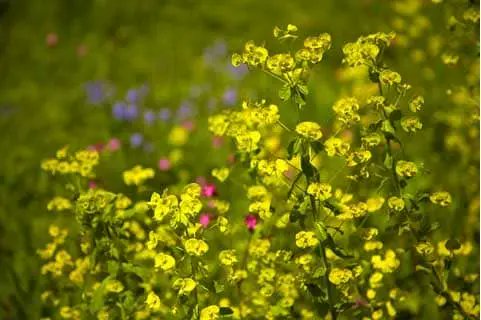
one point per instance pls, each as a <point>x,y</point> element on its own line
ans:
<point>339,276</point>
<point>59,204</point>
<point>411,124</point>
<point>406,169</point>
<point>137,175</point>
<point>374,204</point>
<point>228,257</point>
<point>321,191</point>
<point>309,130</point>
<point>153,301</point>
<point>196,247</point>
<point>221,174</point>
<point>424,248</point>
<point>184,285</point>
<point>396,203</point>
<point>386,265</point>
<point>306,239</point>
<point>390,77</point>
<point>204,219</point>
<point>280,63</point>
<point>113,144</point>
<point>251,222</point>
<point>114,286</point>
<point>441,198</point>
<point>335,146</point>
<point>210,313</point>
<point>209,190</point>
<point>164,164</point>
<point>178,136</point>
<point>416,104</point>
<point>164,261</point>
<point>346,110</point>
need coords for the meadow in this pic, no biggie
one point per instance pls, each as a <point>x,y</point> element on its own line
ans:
<point>239,159</point>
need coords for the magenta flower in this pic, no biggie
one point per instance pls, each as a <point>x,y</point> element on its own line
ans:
<point>251,222</point>
<point>92,184</point>
<point>209,190</point>
<point>204,219</point>
<point>164,164</point>
<point>113,144</point>
<point>217,142</point>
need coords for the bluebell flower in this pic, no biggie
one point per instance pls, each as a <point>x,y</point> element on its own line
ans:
<point>165,114</point>
<point>119,110</point>
<point>131,112</point>
<point>237,72</point>
<point>97,92</point>
<point>185,110</point>
<point>149,117</point>
<point>136,139</point>
<point>229,97</point>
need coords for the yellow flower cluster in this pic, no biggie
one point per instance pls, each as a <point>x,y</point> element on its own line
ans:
<point>137,175</point>
<point>82,163</point>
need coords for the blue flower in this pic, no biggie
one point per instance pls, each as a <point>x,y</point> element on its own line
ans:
<point>119,110</point>
<point>229,97</point>
<point>136,139</point>
<point>97,92</point>
<point>165,114</point>
<point>149,117</point>
<point>131,112</point>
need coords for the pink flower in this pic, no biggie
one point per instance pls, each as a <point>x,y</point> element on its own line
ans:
<point>201,180</point>
<point>164,164</point>
<point>209,190</point>
<point>96,147</point>
<point>92,184</point>
<point>189,125</point>
<point>231,158</point>
<point>52,39</point>
<point>217,142</point>
<point>113,144</point>
<point>204,219</point>
<point>251,222</point>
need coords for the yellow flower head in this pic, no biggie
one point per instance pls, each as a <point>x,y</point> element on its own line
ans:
<point>309,130</point>
<point>196,247</point>
<point>306,239</point>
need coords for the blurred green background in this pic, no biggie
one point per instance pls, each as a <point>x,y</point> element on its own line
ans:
<point>57,58</point>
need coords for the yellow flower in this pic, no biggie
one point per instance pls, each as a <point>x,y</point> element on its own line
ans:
<point>221,174</point>
<point>339,276</point>
<point>137,175</point>
<point>59,204</point>
<point>178,136</point>
<point>390,77</point>
<point>184,285</point>
<point>441,198</point>
<point>335,146</point>
<point>210,313</point>
<point>114,286</point>
<point>228,257</point>
<point>374,204</point>
<point>406,168</point>
<point>164,261</point>
<point>306,239</point>
<point>386,265</point>
<point>153,301</point>
<point>396,203</point>
<point>196,247</point>
<point>321,191</point>
<point>309,130</point>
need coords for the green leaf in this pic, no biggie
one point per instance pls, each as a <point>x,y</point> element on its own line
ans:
<point>303,89</point>
<point>321,231</point>
<point>285,93</point>
<point>386,126</point>
<point>218,287</point>
<point>388,161</point>
<point>308,169</point>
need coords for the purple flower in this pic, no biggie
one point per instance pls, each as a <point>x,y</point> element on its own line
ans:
<point>185,110</point>
<point>136,139</point>
<point>131,112</point>
<point>119,110</point>
<point>96,92</point>
<point>149,117</point>
<point>135,95</point>
<point>229,97</point>
<point>165,114</point>
<point>250,222</point>
<point>237,72</point>
<point>214,52</point>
